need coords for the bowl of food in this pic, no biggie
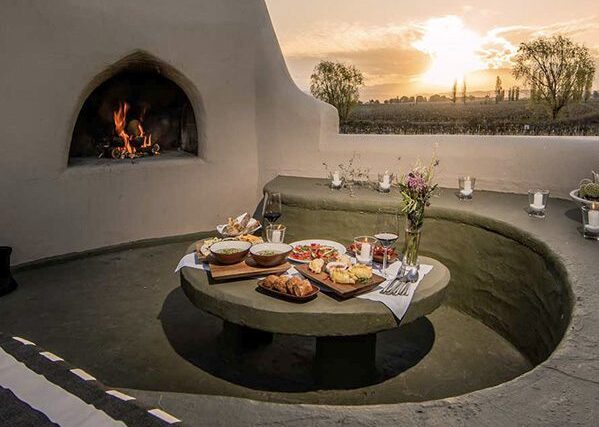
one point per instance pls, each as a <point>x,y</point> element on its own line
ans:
<point>230,251</point>
<point>270,254</point>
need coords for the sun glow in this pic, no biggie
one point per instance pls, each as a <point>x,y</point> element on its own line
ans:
<point>454,50</point>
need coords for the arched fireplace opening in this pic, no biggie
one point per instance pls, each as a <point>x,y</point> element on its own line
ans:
<point>136,113</point>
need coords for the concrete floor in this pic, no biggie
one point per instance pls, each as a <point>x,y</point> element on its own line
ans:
<point>123,317</point>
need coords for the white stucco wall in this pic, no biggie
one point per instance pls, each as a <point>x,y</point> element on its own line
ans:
<point>255,123</point>
<point>50,51</point>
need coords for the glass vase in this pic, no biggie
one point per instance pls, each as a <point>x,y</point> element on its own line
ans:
<point>414,221</point>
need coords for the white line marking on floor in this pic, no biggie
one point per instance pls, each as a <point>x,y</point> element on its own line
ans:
<point>120,395</point>
<point>23,341</point>
<point>164,416</point>
<point>51,356</point>
<point>82,374</point>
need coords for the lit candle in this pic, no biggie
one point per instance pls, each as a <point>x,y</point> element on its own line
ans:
<point>593,224</point>
<point>537,203</point>
<point>386,179</point>
<point>276,236</point>
<point>365,250</point>
<point>467,190</point>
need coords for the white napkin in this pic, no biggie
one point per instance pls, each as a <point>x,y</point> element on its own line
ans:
<point>398,304</point>
<point>191,260</point>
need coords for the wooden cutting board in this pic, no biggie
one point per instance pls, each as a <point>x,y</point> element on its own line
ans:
<point>342,290</point>
<point>247,268</point>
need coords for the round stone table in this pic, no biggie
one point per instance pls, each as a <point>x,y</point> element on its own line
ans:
<point>345,330</point>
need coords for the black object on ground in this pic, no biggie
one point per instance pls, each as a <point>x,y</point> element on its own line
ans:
<point>7,282</point>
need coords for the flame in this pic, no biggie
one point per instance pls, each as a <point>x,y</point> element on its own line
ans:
<point>147,138</point>
<point>120,122</point>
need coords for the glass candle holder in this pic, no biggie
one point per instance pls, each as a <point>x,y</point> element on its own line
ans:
<point>384,182</point>
<point>590,221</point>
<point>364,249</point>
<point>466,187</point>
<point>336,181</point>
<point>537,202</point>
<point>275,233</point>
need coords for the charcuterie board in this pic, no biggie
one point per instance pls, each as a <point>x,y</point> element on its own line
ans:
<point>340,289</point>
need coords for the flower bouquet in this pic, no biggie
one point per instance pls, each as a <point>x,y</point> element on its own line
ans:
<point>417,188</point>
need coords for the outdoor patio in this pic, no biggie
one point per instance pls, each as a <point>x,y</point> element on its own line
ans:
<point>495,323</point>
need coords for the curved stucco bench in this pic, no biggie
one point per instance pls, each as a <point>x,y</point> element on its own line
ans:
<point>532,281</point>
<point>501,274</point>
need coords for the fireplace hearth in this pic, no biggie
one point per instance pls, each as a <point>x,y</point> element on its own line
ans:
<point>134,114</point>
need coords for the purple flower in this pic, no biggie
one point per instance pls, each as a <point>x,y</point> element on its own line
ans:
<point>416,182</point>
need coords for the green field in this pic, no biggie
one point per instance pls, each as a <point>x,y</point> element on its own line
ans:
<point>475,117</point>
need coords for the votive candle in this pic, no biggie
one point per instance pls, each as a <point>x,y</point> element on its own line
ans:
<point>593,214</point>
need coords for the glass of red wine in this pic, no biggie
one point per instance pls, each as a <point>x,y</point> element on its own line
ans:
<point>387,230</point>
<point>271,210</point>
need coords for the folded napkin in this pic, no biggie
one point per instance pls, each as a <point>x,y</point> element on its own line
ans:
<point>191,260</point>
<point>398,304</point>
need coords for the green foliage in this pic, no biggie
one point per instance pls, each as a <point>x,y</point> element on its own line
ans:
<point>481,116</point>
<point>499,91</point>
<point>589,188</point>
<point>589,191</point>
<point>559,71</point>
<point>337,84</point>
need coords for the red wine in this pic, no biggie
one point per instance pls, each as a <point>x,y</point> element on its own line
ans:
<point>272,217</point>
<point>386,239</point>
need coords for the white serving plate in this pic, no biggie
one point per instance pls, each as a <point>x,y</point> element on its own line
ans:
<point>340,248</point>
<point>574,196</point>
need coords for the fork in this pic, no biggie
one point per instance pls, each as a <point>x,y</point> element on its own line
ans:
<point>395,282</point>
<point>411,277</point>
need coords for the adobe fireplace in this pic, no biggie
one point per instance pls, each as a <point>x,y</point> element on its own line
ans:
<point>138,112</point>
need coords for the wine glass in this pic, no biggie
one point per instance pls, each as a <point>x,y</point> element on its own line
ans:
<point>387,228</point>
<point>271,211</point>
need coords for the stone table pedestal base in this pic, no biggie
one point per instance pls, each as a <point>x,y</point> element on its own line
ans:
<point>342,362</point>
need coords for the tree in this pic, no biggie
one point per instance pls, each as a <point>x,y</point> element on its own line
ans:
<point>337,84</point>
<point>437,98</point>
<point>516,93</point>
<point>557,67</point>
<point>464,91</point>
<point>454,91</point>
<point>499,92</point>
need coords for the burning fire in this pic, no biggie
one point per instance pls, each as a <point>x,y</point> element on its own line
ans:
<point>139,139</point>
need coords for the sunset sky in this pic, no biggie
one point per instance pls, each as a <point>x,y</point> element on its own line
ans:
<point>420,47</point>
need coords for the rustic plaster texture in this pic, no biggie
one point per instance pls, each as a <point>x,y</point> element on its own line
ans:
<point>503,278</point>
<point>53,54</point>
<point>560,390</point>
<point>254,124</point>
<point>558,293</point>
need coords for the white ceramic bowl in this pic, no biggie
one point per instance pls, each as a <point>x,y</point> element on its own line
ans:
<point>576,198</point>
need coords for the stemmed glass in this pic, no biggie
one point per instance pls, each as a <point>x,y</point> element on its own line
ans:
<point>387,227</point>
<point>271,210</point>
